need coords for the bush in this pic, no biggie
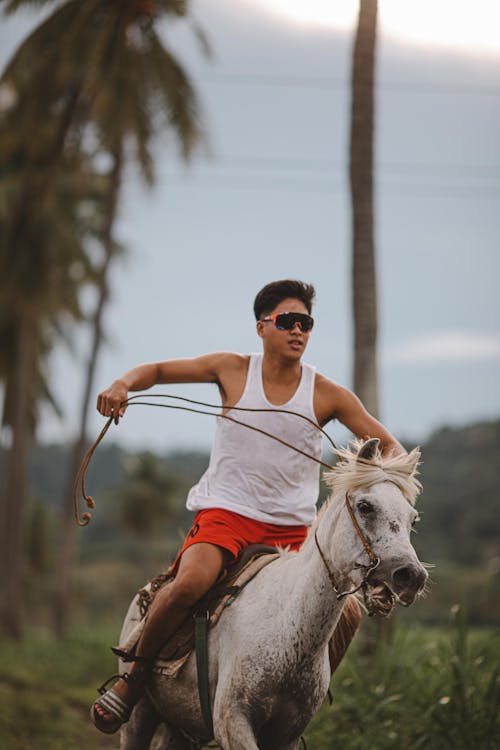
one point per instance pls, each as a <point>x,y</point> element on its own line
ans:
<point>428,688</point>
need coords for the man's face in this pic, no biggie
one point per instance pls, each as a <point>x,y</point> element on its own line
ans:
<point>289,344</point>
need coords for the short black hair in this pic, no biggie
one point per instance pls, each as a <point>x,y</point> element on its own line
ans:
<point>275,292</point>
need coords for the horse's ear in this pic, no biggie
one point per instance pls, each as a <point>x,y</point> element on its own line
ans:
<point>369,449</point>
<point>414,460</point>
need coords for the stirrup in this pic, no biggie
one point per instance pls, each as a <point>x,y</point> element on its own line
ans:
<point>113,704</point>
<point>129,656</point>
<point>126,676</point>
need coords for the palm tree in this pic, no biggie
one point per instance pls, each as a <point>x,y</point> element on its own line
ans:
<point>108,81</point>
<point>361,180</point>
<point>36,288</point>
<point>363,268</point>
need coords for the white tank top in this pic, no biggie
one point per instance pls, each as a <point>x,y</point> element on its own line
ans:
<point>254,475</point>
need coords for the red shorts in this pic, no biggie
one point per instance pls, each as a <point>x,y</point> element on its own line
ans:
<point>233,533</point>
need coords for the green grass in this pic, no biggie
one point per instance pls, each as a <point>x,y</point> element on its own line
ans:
<point>435,689</point>
<point>430,689</point>
<point>46,688</point>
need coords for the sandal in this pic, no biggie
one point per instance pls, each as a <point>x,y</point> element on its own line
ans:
<point>111,702</point>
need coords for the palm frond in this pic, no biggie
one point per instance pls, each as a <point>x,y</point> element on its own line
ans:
<point>11,6</point>
<point>202,38</point>
<point>176,96</point>
<point>93,78</point>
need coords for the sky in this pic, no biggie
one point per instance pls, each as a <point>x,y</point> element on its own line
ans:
<point>267,197</point>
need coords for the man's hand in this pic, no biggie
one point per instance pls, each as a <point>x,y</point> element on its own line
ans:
<point>109,402</point>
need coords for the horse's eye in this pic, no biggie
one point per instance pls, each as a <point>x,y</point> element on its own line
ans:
<point>365,508</point>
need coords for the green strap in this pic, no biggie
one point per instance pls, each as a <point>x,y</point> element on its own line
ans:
<point>201,645</point>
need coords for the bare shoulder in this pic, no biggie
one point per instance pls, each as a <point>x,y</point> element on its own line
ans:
<point>206,368</point>
<point>334,401</point>
<point>224,366</point>
<point>330,399</point>
<point>228,363</point>
<point>232,369</point>
<point>326,387</point>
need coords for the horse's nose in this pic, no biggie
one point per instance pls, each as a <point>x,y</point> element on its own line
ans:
<point>408,581</point>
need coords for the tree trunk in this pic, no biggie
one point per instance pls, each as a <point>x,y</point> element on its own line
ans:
<point>24,391</point>
<point>363,268</point>
<point>361,179</point>
<point>15,490</point>
<point>63,595</point>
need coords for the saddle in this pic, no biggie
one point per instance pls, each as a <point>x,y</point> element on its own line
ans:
<point>176,651</point>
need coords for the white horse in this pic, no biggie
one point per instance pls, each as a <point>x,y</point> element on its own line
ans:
<point>269,667</point>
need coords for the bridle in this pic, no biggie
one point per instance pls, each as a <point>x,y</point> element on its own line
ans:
<point>374,560</point>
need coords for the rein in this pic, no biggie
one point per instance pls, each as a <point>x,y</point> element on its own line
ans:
<point>81,474</point>
<point>80,478</point>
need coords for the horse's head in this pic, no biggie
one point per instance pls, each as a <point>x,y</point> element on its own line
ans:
<point>374,498</point>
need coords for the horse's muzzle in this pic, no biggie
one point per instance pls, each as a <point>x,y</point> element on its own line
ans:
<point>407,582</point>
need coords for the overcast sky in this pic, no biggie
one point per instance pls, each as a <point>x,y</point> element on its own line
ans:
<point>269,199</point>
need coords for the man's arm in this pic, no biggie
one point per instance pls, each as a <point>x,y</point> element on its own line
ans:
<point>335,402</point>
<point>204,369</point>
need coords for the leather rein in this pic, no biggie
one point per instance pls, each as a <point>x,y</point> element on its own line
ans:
<point>80,479</point>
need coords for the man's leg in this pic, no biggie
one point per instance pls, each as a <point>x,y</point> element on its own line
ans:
<point>199,568</point>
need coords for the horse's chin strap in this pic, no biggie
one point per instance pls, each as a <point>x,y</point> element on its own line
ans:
<point>374,560</point>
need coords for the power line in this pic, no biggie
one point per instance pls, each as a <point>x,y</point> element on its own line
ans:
<point>484,171</point>
<point>320,175</point>
<point>327,82</point>
<point>401,189</point>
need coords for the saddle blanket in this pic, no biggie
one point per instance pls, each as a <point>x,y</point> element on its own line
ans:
<point>177,650</point>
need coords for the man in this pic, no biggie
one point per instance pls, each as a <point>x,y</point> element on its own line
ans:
<point>255,490</point>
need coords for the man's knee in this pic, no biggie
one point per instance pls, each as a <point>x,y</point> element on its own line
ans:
<point>191,583</point>
<point>185,591</point>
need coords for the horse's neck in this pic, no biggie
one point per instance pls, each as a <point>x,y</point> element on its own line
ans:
<point>310,598</point>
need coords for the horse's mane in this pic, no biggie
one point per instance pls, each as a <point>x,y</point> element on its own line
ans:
<point>352,472</point>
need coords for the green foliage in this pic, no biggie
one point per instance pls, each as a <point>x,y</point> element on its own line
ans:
<point>469,715</point>
<point>46,688</point>
<point>428,688</point>
<point>146,498</point>
<point>459,505</point>
<point>431,688</point>
<point>48,471</point>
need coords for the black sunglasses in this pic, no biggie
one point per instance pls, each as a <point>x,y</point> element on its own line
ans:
<point>286,321</point>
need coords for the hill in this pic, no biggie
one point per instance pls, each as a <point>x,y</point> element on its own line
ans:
<point>460,473</point>
<point>460,501</point>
